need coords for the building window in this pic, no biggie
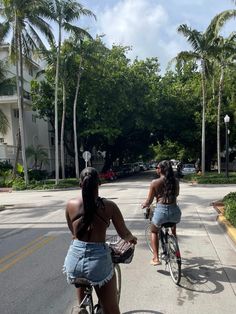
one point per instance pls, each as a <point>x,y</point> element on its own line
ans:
<point>16,113</point>
<point>34,118</point>
<point>1,140</point>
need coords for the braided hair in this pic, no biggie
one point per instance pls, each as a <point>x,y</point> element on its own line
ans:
<point>169,186</point>
<point>89,181</point>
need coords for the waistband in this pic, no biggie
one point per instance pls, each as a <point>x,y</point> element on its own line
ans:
<point>84,244</point>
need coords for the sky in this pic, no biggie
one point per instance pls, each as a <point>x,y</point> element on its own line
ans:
<point>149,26</point>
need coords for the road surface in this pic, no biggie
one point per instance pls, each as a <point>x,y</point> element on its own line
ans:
<point>34,240</point>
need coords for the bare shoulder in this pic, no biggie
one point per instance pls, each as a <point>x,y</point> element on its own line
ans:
<point>108,203</point>
<point>73,203</point>
<point>156,182</point>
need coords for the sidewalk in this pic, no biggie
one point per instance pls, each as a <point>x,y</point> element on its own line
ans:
<point>226,225</point>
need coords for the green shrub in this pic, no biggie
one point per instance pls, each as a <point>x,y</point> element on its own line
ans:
<point>230,211</point>
<point>37,175</point>
<point>230,196</point>
<point>19,184</point>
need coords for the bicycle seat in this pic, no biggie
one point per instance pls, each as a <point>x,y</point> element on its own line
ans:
<point>168,224</point>
<point>81,282</point>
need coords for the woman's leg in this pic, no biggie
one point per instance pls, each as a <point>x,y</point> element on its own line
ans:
<point>107,295</point>
<point>155,245</point>
<point>80,294</point>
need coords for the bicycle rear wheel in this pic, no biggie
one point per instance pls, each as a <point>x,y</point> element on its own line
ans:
<point>174,259</point>
<point>148,236</point>
<point>118,280</point>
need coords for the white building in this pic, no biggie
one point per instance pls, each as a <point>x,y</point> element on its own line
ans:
<point>36,130</point>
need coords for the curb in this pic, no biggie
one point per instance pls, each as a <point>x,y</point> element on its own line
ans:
<point>226,225</point>
<point>230,230</point>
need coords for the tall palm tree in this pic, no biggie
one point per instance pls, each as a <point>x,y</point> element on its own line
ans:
<point>202,48</point>
<point>225,57</point>
<point>23,18</point>
<point>64,12</point>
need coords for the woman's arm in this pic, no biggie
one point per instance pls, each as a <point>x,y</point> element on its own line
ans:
<point>119,224</point>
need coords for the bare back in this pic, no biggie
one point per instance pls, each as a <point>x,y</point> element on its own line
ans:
<point>107,211</point>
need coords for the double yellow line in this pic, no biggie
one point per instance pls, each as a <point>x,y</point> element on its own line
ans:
<point>14,257</point>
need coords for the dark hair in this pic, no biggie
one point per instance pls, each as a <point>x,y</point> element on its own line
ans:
<point>169,188</point>
<point>89,181</point>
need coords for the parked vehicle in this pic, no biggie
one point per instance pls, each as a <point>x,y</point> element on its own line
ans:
<point>108,175</point>
<point>188,169</point>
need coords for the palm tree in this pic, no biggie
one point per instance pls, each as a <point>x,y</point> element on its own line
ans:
<point>23,18</point>
<point>225,57</point>
<point>203,47</point>
<point>64,12</point>
<point>37,154</point>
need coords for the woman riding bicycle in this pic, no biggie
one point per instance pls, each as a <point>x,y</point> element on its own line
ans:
<point>88,257</point>
<point>165,189</point>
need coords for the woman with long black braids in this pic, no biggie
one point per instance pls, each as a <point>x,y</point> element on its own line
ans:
<point>165,189</point>
<point>88,217</point>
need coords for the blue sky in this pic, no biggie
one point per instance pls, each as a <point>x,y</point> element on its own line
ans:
<point>149,26</point>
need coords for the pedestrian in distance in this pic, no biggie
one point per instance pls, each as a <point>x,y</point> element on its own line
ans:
<point>165,190</point>
<point>88,257</point>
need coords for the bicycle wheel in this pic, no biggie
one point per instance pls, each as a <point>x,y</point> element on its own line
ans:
<point>148,236</point>
<point>118,280</point>
<point>174,259</point>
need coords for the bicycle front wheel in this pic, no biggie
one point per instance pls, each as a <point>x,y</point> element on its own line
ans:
<point>174,259</point>
<point>118,280</point>
<point>148,236</point>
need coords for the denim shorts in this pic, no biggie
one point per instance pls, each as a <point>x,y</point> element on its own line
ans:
<point>166,213</point>
<point>88,260</point>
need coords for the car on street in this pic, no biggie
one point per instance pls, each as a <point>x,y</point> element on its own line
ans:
<point>188,169</point>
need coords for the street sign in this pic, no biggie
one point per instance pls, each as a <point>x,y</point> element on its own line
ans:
<point>86,155</point>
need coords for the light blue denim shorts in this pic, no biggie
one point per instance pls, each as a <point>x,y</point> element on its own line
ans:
<point>88,260</point>
<point>166,213</point>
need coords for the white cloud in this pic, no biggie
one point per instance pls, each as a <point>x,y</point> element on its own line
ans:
<point>136,23</point>
<point>149,26</point>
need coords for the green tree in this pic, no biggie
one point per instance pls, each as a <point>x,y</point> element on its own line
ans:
<point>64,12</point>
<point>38,155</point>
<point>24,18</point>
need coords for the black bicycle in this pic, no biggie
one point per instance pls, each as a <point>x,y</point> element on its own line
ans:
<point>170,252</point>
<point>121,252</point>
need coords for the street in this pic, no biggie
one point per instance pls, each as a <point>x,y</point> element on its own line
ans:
<point>34,239</point>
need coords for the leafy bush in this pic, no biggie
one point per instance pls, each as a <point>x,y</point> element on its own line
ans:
<point>5,165</point>
<point>37,175</point>
<point>211,178</point>
<point>19,184</point>
<point>230,210</point>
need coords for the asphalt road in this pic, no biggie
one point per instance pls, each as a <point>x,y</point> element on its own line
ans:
<point>34,240</point>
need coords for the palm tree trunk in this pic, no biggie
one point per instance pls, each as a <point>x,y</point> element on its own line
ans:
<point>218,118</point>
<point>74,122</point>
<point>62,132</point>
<point>203,118</point>
<point>19,63</point>
<point>56,107</point>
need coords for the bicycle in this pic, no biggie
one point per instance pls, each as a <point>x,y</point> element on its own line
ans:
<point>170,249</point>
<point>87,305</point>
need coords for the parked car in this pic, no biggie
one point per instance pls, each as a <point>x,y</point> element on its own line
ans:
<point>108,175</point>
<point>188,169</point>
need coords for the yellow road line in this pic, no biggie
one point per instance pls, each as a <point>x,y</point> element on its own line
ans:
<point>23,248</point>
<point>28,251</point>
